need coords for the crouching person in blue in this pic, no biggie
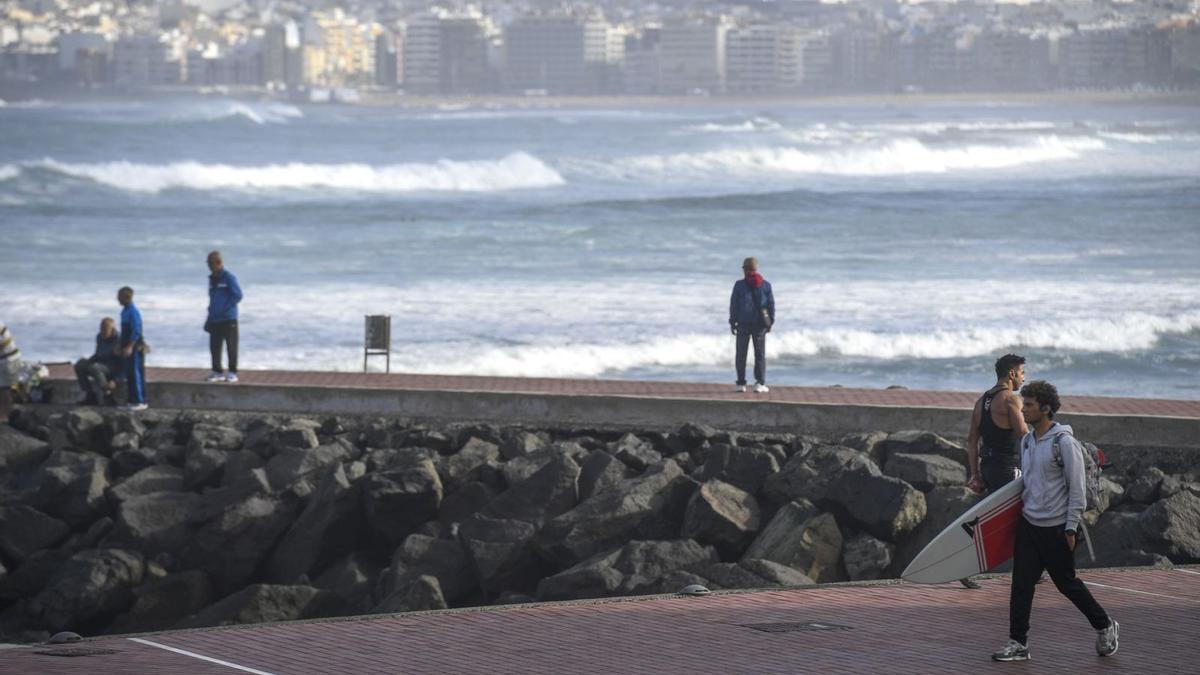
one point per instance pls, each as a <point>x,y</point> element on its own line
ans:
<point>131,349</point>
<point>1052,465</point>
<point>96,374</point>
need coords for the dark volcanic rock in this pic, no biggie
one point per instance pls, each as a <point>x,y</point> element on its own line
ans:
<point>1172,527</point>
<point>263,602</point>
<point>600,471</point>
<point>639,507</point>
<point>400,500</point>
<point>420,594</point>
<point>327,529</point>
<point>72,487</point>
<point>18,451</point>
<point>925,472</point>
<point>202,466</point>
<point>722,515</point>
<point>865,557</point>
<point>636,566</point>
<point>300,469</point>
<point>231,545</point>
<point>90,586</point>
<point>917,442</point>
<point>501,553</point>
<point>549,492</point>
<point>444,559</point>
<point>150,479</point>
<point>799,538</point>
<point>351,578</point>
<point>159,604</point>
<point>887,507</point>
<point>158,522</point>
<point>634,452</point>
<point>747,468</point>
<point>809,476</point>
<point>24,531</point>
<point>457,468</point>
<point>215,437</point>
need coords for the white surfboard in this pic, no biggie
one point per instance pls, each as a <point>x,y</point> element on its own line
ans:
<point>976,542</point>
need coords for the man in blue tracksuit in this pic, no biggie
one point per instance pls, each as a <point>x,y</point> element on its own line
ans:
<point>751,315</point>
<point>131,349</point>
<point>224,294</point>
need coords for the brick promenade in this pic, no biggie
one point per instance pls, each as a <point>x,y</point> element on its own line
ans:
<point>908,398</point>
<point>885,628</point>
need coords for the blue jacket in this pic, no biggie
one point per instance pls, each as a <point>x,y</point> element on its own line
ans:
<point>744,305</point>
<point>224,294</point>
<point>131,325</point>
<point>108,352</point>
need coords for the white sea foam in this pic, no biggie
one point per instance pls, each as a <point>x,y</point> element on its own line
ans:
<point>898,157</point>
<point>754,124</point>
<point>258,113</point>
<point>514,172</point>
<point>9,171</point>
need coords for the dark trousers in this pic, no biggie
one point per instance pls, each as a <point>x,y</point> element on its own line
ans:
<point>997,470</point>
<point>93,377</point>
<point>227,332</point>
<point>760,355</point>
<point>1045,548</point>
<point>135,375</point>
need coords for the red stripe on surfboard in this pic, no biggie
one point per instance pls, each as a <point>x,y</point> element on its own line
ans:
<point>995,535</point>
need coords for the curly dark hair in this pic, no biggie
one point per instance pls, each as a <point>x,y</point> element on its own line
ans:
<point>1008,362</point>
<point>1044,393</point>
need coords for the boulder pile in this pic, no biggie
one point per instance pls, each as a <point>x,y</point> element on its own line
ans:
<point>112,522</point>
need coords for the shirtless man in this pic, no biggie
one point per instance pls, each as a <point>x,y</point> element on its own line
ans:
<point>998,423</point>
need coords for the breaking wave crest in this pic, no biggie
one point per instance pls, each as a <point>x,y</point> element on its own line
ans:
<point>514,172</point>
<point>898,157</point>
<point>1134,332</point>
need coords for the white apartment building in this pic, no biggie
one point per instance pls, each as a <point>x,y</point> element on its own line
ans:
<point>692,56</point>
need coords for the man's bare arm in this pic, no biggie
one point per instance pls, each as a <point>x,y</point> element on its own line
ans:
<point>1012,407</point>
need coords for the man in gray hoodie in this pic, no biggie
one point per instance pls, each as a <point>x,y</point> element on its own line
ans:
<point>1054,499</point>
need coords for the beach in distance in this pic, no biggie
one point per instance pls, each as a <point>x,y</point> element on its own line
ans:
<point>906,237</point>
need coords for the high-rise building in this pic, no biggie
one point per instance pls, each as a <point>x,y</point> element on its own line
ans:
<point>692,56</point>
<point>547,54</point>
<point>445,54</point>
<point>141,61</point>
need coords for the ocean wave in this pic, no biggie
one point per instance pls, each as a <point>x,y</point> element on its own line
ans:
<point>258,113</point>
<point>8,172</point>
<point>514,172</point>
<point>1130,333</point>
<point>754,124</point>
<point>898,157</point>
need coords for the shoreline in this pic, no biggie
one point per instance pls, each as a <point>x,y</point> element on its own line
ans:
<point>382,99</point>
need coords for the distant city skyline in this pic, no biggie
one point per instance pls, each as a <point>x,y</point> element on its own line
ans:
<point>603,48</point>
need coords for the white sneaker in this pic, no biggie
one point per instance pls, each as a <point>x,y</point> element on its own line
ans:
<point>1106,639</point>
<point>137,406</point>
<point>215,376</point>
<point>741,389</point>
<point>761,388</point>
<point>232,377</point>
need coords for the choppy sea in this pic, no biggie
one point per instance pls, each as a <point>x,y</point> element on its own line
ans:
<point>907,244</point>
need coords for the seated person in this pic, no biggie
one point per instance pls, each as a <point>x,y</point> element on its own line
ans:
<point>97,373</point>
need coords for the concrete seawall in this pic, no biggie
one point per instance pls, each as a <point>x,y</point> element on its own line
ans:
<point>655,406</point>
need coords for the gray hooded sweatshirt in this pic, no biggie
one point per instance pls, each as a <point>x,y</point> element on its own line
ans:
<point>1053,494</point>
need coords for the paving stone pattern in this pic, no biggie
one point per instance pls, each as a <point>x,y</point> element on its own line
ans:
<point>892,628</point>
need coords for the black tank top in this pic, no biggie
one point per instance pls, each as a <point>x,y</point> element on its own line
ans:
<point>995,439</point>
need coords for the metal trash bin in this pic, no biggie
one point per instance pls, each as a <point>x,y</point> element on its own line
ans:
<point>378,341</point>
